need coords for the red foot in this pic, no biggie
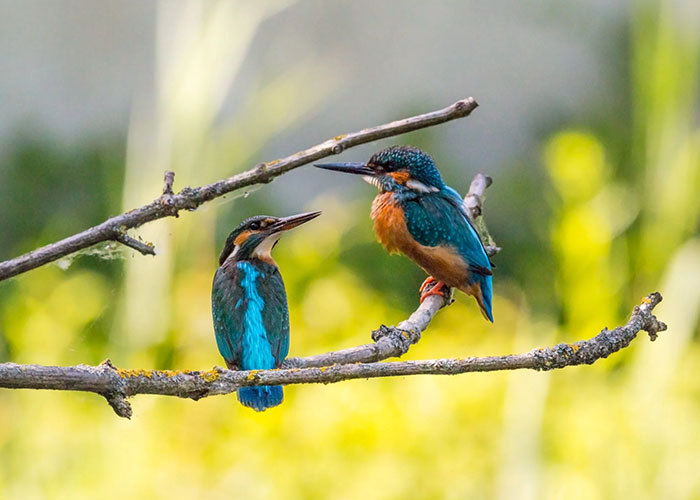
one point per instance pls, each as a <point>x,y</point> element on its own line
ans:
<point>427,281</point>
<point>438,288</point>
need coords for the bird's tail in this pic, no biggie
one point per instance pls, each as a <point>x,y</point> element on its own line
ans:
<point>482,289</point>
<point>261,397</point>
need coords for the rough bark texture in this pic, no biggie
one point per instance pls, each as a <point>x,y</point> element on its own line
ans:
<point>170,204</point>
<point>117,384</point>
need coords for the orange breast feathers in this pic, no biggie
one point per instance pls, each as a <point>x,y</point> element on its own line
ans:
<point>390,224</point>
<point>441,262</point>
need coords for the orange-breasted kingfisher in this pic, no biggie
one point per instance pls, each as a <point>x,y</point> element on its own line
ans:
<point>417,214</point>
<point>249,303</point>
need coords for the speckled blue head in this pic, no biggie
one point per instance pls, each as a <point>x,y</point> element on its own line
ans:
<point>417,163</point>
<point>396,167</point>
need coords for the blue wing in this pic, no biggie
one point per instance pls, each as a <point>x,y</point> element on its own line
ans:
<point>438,219</point>
<point>251,320</point>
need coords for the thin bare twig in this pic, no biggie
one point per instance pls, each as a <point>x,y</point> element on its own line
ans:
<point>168,180</point>
<point>473,203</point>
<point>117,384</point>
<point>139,246</point>
<point>169,205</point>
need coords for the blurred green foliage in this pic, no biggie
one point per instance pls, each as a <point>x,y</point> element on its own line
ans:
<point>49,190</point>
<point>589,224</point>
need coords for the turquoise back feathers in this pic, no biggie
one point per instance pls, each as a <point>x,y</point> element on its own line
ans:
<point>251,319</point>
<point>417,214</point>
<point>249,304</point>
<point>251,322</point>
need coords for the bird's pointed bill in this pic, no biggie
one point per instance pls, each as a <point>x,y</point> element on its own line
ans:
<point>349,168</point>
<point>293,221</point>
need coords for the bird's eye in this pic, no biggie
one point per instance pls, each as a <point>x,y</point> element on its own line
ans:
<point>255,225</point>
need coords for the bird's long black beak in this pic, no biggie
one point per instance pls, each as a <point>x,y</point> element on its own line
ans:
<point>350,168</point>
<point>286,223</point>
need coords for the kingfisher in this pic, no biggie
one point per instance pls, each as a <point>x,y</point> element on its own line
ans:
<point>249,303</point>
<point>417,214</point>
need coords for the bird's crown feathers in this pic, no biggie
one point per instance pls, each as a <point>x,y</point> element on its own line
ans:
<point>419,164</point>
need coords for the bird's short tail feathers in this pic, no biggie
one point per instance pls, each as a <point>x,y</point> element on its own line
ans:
<point>482,289</point>
<point>261,397</point>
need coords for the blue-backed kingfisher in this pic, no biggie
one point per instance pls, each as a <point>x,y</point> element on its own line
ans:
<point>417,214</point>
<point>249,303</point>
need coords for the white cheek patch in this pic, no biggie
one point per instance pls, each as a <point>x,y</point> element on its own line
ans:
<point>419,187</point>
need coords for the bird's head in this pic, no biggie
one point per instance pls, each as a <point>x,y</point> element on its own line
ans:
<point>395,168</point>
<point>255,237</point>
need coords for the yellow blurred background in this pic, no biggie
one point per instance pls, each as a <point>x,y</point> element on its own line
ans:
<point>590,130</point>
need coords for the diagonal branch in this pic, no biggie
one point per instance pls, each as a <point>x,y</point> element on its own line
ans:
<point>118,384</point>
<point>473,204</point>
<point>169,204</point>
<point>389,341</point>
<point>395,341</point>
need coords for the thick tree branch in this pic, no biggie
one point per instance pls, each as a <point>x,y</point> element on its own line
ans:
<point>117,384</point>
<point>169,204</point>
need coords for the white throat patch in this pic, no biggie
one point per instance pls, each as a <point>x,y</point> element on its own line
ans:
<point>264,249</point>
<point>369,179</point>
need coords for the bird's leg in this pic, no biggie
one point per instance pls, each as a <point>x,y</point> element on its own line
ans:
<point>431,287</point>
